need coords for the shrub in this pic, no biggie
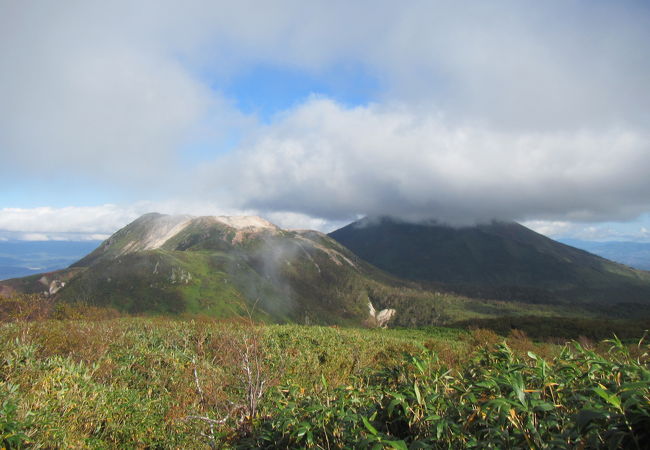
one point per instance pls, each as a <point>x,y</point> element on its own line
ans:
<point>35,307</point>
<point>12,428</point>
<point>132,382</point>
<point>482,337</point>
<point>24,307</point>
<point>499,400</point>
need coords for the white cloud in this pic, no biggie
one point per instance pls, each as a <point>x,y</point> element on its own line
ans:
<point>590,232</point>
<point>325,160</point>
<point>35,237</point>
<point>552,227</point>
<point>297,221</point>
<point>46,221</point>
<point>512,110</point>
<point>99,222</point>
<point>83,92</point>
<point>6,236</point>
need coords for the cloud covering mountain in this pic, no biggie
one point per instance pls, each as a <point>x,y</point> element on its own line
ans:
<point>510,110</point>
<point>330,161</point>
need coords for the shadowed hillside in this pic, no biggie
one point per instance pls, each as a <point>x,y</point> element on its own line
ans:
<point>499,260</point>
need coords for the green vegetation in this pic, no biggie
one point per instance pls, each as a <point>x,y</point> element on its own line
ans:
<point>94,380</point>
<point>498,400</point>
<point>78,369</point>
<point>504,261</point>
<point>561,328</point>
<point>176,265</point>
<point>214,269</point>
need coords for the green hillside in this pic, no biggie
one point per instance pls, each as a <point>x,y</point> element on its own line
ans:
<point>498,260</point>
<point>210,267</point>
<point>233,267</point>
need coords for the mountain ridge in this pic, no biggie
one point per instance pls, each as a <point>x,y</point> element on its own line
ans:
<point>229,266</point>
<point>222,266</point>
<point>494,256</point>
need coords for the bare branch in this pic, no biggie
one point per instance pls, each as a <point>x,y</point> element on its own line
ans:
<point>199,391</point>
<point>208,420</point>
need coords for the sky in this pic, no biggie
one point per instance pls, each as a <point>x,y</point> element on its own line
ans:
<point>314,114</point>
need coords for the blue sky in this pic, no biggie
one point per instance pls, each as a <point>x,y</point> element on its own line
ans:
<point>266,90</point>
<point>314,114</point>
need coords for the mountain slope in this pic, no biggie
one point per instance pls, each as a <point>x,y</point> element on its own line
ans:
<point>232,266</point>
<point>221,266</point>
<point>499,260</point>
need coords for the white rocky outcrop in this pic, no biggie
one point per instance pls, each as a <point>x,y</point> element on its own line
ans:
<point>157,233</point>
<point>180,276</point>
<point>165,228</point>
<point>382,317</point>
<point>241,222</point>
<point>56,286</point>
<point>162,228</point>
<point>52,286</point>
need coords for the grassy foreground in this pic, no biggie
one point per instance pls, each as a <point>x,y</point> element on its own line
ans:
<point>154,382</point>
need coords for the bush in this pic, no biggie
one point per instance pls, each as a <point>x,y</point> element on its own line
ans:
<point>498,400</point>
<point>12,428</point>
<point>35,307</point>
<point>25,307</point>
<point>132,382</point>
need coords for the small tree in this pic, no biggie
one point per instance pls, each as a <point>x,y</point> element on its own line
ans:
<point>242,352</point>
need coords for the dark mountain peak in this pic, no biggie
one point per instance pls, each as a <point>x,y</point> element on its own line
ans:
<point>432,222</point>
<point>489,257</point>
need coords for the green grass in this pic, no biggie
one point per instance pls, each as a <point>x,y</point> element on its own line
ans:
<point>131,383</point>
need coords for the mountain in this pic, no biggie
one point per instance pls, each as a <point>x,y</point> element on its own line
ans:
<point>633,254</point>
<point>229,267</point>
<point>223,267</point>
<point>495,260</point>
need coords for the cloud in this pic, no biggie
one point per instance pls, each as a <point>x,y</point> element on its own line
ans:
<point>325,160</point>
<point>35,237</point>
<point>85,95</point>
<point>67,236</point>
<point>44,221</point>
<point>99,222</point>
<point>515,109</point>
<point>592,231</point>
<point>552,228</point>
<point>531,65</point>
<point>297,221</point>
